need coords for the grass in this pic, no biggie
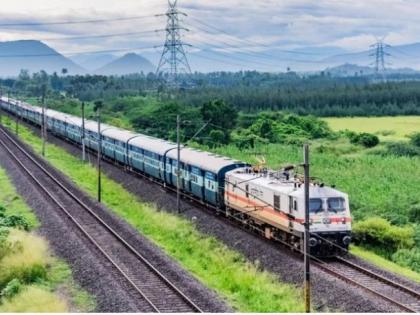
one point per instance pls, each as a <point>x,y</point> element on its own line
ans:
<point>246,288</point>
<point>35,300</point>
<point>384,263</point>
<point>28,260</point>
<point>387,128</point>
<point>13,203</point>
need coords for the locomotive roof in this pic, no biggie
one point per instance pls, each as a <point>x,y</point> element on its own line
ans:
<point>204,160</point>
<point>282,186</point>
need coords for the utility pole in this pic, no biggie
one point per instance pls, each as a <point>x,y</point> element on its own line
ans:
<point>307,284</point>
<point>17,117</point>
<point>178,164</point>
<point>98,117</point>
<point>173,60</point>
<point>83,133</point>
<point>44,121</point>
<point>1,106</point>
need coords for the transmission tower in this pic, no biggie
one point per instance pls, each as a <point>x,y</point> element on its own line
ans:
<point>379,53</point>
<point>173,61</point>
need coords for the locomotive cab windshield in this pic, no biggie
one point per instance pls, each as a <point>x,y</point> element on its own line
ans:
<point>332,205</point>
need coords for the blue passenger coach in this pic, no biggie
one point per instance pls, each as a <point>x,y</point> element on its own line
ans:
<point>202,173</point>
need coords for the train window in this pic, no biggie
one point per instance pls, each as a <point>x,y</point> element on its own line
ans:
<point>276,203</point>
<point>315,205</point>
<point>295,205</point>
<point>336,205</point>
<point>247,191</point>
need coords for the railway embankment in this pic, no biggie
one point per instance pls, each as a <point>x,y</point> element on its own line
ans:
<point>32,278</point>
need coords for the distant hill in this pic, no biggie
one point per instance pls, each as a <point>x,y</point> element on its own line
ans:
<point>127,64</point>
<point>92,62</point>
<point>34,56</point>
<point>351,70</point>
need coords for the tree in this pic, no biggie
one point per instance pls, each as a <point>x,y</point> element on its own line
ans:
<point>222,116</point>
<point>64,71</point>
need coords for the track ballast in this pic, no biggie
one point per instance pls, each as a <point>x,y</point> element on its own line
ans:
<point>155,292</point>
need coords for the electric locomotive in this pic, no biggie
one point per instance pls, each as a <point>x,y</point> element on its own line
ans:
<point>273,202</point>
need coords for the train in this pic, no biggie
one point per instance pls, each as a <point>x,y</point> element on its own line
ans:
<point>271,202</point>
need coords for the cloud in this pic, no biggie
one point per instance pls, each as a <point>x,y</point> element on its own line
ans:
<point>347,24</point>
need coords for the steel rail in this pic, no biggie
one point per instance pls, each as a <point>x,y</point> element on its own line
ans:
<point>336,273</point>
<point>103,223</point>
<point>319,263</point>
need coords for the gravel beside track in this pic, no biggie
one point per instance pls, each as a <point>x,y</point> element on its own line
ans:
<point>406,298</point>
<point>328,292</point>
<point>113,292</point>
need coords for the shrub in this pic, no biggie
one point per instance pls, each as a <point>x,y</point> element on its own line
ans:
<point>365,139</point>
<point>11,289</point>
<point>408,258</point>
<point>415,139</point>
<point>380,233</point>
<point>402,149</point>
<point>15,221</point>
<point>414,213</point>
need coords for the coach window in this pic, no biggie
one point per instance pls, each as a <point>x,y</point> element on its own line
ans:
<point>295,205</point>
<point>247,191</point>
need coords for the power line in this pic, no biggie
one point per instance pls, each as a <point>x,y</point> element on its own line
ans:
<point>75,53</point>
<point>78,22</point>
<point>250,41</point>
<point>262,55</point>
<point>96,36</point>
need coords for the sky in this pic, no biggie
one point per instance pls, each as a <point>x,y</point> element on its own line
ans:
<point>349,25</point>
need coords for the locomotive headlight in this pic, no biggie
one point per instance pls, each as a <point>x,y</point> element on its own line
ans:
<point>346,240</point>
<point>313,242</point>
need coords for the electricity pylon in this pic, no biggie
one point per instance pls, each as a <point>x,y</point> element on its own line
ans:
<point>379,53</point>
<point>173,61</point>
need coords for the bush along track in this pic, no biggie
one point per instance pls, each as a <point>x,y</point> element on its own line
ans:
<point>31,279</point>
<point>246,288</point>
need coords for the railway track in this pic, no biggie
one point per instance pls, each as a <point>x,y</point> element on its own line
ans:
<point>406,299</point>
<point>400,296</point>
<point>154,290</point>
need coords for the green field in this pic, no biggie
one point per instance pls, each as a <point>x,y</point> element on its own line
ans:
<point>387,128</point>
